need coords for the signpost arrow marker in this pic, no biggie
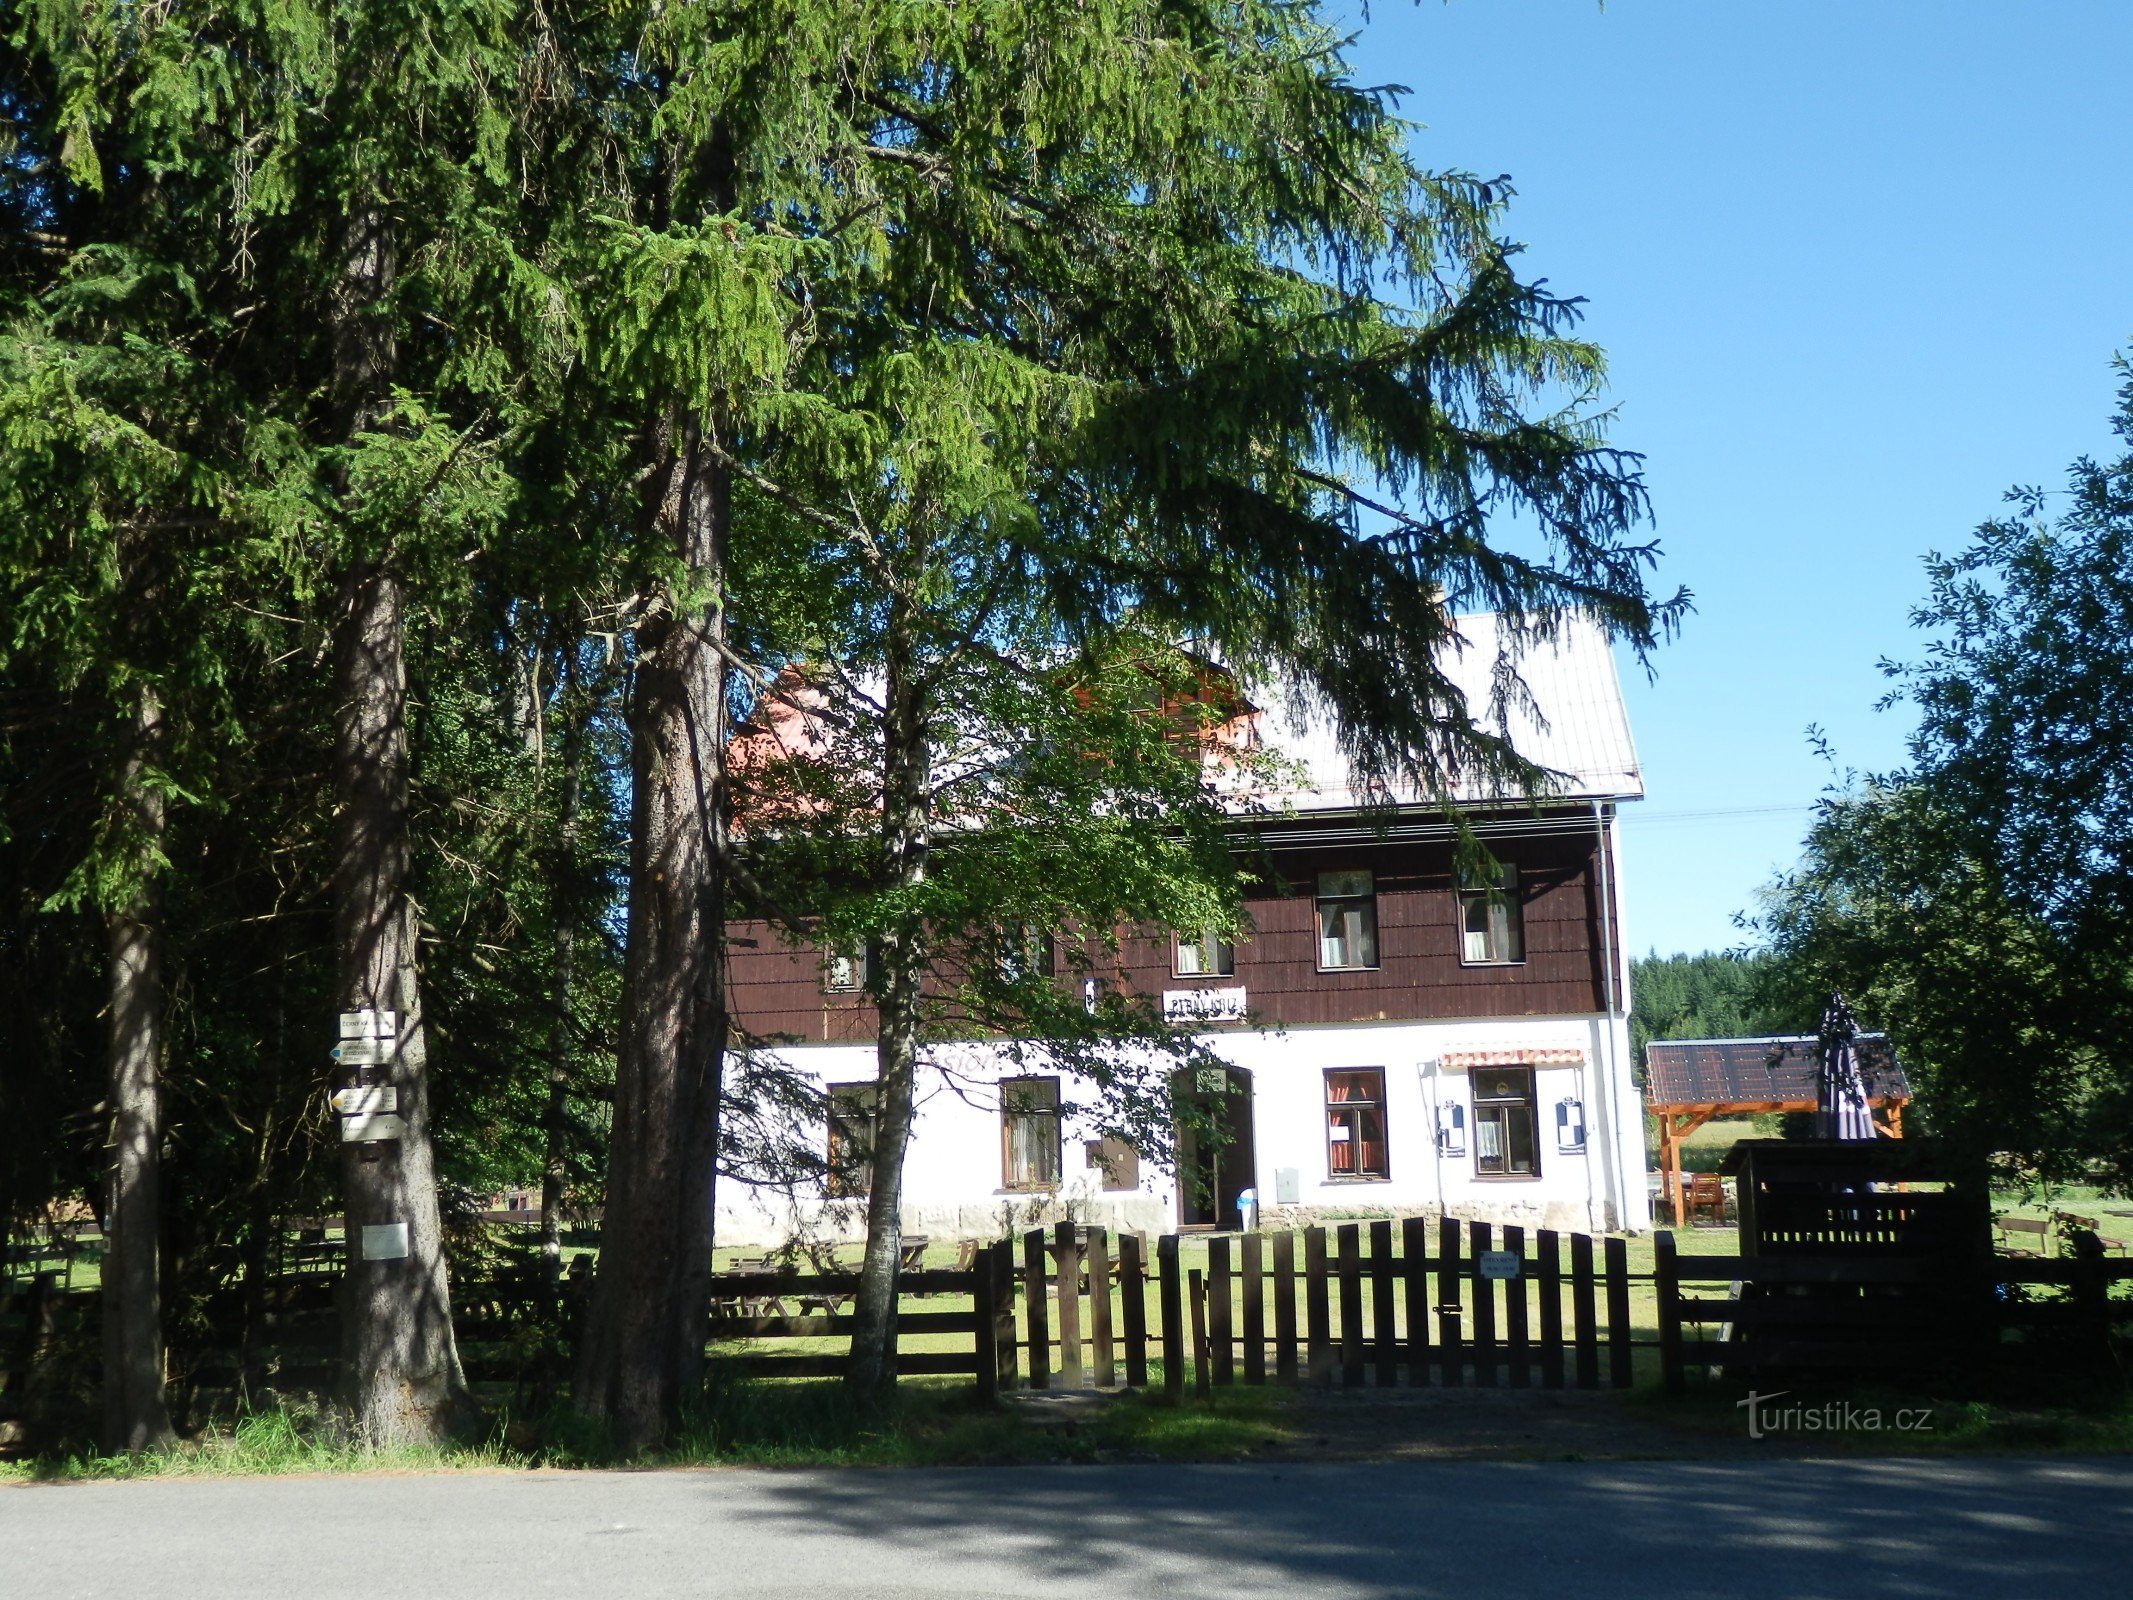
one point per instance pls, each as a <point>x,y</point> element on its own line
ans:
<point>367,1099</point>
<point>370,1129</point>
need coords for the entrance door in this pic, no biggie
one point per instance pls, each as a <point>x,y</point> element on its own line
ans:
<point>1214,1167</point>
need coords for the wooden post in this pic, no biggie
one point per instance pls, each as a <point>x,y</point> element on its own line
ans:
<point>1414,1242</point>
<point>1173,1309</point>
<point>1582,1311</point>
<point>1482,1238</point>
<point>1100,1308</point>
<point>1133,1297</point>
<point>1621,1363</point>
<point>1036,1290</point>
<point>2091,1290</point>
<point>984,1326</point>
<point>1384,1306</point>
<point>1000,1262</point>
<point>1550,1245</point>
<point>1449,1345</point>
<point>1285,1363</point>
<point>1666,1284</point>
<point>1318,1317</point>
<point>1254,1309</point>
<point>1067,1270</point>
<point>1351,1278</point>
<point>1199,1334</point>
<point>1514,1311</point>
<point>1218,1318</point>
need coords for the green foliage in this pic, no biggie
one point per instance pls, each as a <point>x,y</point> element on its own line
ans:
<point>1050,351</point>
<point>1975,903</point>
<point>1712,995</point>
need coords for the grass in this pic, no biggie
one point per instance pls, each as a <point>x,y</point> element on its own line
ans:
<point>742,1422</point>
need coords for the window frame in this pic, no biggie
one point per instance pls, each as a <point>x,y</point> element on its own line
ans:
<point>1208,940</point>
<point>861,963</point>
<point>1356,1109</point>
<point>1008,1117</point>
<point>834,1183</point>
<point>1498,1108</point>
<point>1022,949</point>
<point>1504,917</point>
<point>1366,900</point>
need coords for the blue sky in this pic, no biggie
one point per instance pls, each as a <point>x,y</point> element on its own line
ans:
<point>1858,267</point>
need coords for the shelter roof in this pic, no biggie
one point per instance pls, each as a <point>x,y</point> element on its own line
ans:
<point>1716,1072</point>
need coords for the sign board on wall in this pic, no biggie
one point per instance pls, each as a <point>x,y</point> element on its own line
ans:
<point>1204,1005</point>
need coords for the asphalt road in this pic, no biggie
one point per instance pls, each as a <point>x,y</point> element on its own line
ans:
<point>2058,1529</point>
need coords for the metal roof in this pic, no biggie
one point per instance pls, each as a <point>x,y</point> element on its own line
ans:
<point>1707,1072</point>
<point>1576,724</point>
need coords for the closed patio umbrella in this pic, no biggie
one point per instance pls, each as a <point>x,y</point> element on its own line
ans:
<point>1840,1092</point>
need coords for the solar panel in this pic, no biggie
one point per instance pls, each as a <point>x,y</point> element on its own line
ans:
<point>1690,1072</point>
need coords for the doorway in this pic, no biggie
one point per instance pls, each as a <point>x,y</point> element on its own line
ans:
<point>1216,1166</point>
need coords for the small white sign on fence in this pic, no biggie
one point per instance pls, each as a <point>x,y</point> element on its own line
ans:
<point>1498,1264</point>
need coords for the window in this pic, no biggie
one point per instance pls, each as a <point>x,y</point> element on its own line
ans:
<point>1347,921</point>
<point>852,1116</point>
<point>1505,1145</point>
<point>1117,1160</point>
<point>1025,950</point>
<point>1355,1123</point>
<point>1029,1133</point>
<point>1205,955</point>
<point>845,971</point>
<point>1492,924</point>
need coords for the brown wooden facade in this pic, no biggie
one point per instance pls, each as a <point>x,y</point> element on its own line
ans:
<point>779,995</point>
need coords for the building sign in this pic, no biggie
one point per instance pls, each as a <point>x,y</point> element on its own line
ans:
<point>1204,1005</point>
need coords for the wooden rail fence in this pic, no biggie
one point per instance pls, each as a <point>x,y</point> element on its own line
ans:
<point>1861,1312</point>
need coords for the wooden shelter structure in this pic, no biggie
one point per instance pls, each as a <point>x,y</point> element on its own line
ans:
<point>1687,1082</point>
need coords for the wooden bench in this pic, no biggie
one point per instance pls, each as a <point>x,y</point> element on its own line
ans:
<point>2036,1230</point>
<point>2068,1222</point>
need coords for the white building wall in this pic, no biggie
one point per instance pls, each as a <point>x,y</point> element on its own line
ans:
<point>953,1174</point>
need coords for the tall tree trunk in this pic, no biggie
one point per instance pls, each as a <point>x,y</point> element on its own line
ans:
<point>404,1379</point>
<point>565,889</point>
<point>396,1315</point>
<point>906,837</point>
<point>644,1347</point>
<point>136,1413</point>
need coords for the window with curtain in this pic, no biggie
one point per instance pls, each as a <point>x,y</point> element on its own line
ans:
<point>845,971</point>
<point>1355,1123</point>
<point>1505,1142</point>
<point>1347,920</point>
<point>1492,920</point>
<point>1205,955</point>
<point>852,1111</point>
<point>1025,950</point>
<point>1029,1133</point>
